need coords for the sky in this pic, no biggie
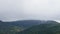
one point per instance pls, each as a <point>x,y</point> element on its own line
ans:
<point>11,10</point>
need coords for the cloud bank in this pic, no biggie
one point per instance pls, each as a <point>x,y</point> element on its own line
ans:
<point>11,10</point>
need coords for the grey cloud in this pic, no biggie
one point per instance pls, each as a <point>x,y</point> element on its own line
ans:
<point>11,10</point>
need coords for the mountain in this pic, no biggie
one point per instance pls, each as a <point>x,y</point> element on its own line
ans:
<point>24,23</point>
<point>28,27</point>
<point>16,26</point>
<point>49,27</point>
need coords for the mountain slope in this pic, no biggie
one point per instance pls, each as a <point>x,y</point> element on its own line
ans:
<point>50,27</point>
<point>29,27</point>
<point>16,26</point>
<point>24,24</point>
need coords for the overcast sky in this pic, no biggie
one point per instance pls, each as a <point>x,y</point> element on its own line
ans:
<point>11,10</point>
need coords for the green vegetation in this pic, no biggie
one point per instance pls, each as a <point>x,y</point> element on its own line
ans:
<point>24,27</point>
<point>11,30</point>
<point>50,28</point>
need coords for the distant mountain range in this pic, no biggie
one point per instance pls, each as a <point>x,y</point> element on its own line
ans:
<point>28,27</point>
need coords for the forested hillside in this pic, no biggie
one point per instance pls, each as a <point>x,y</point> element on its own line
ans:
<point>30,27</point>
<point>50,27</point>
<point>16,26</point>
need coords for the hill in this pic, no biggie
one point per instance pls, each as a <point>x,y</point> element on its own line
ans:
<point>16,26</point>
<point>29,27</point>
<point>50,27</point>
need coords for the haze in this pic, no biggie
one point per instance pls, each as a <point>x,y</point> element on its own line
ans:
<point>11,10</point>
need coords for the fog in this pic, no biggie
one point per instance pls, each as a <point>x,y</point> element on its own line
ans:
<point>11,10</point>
